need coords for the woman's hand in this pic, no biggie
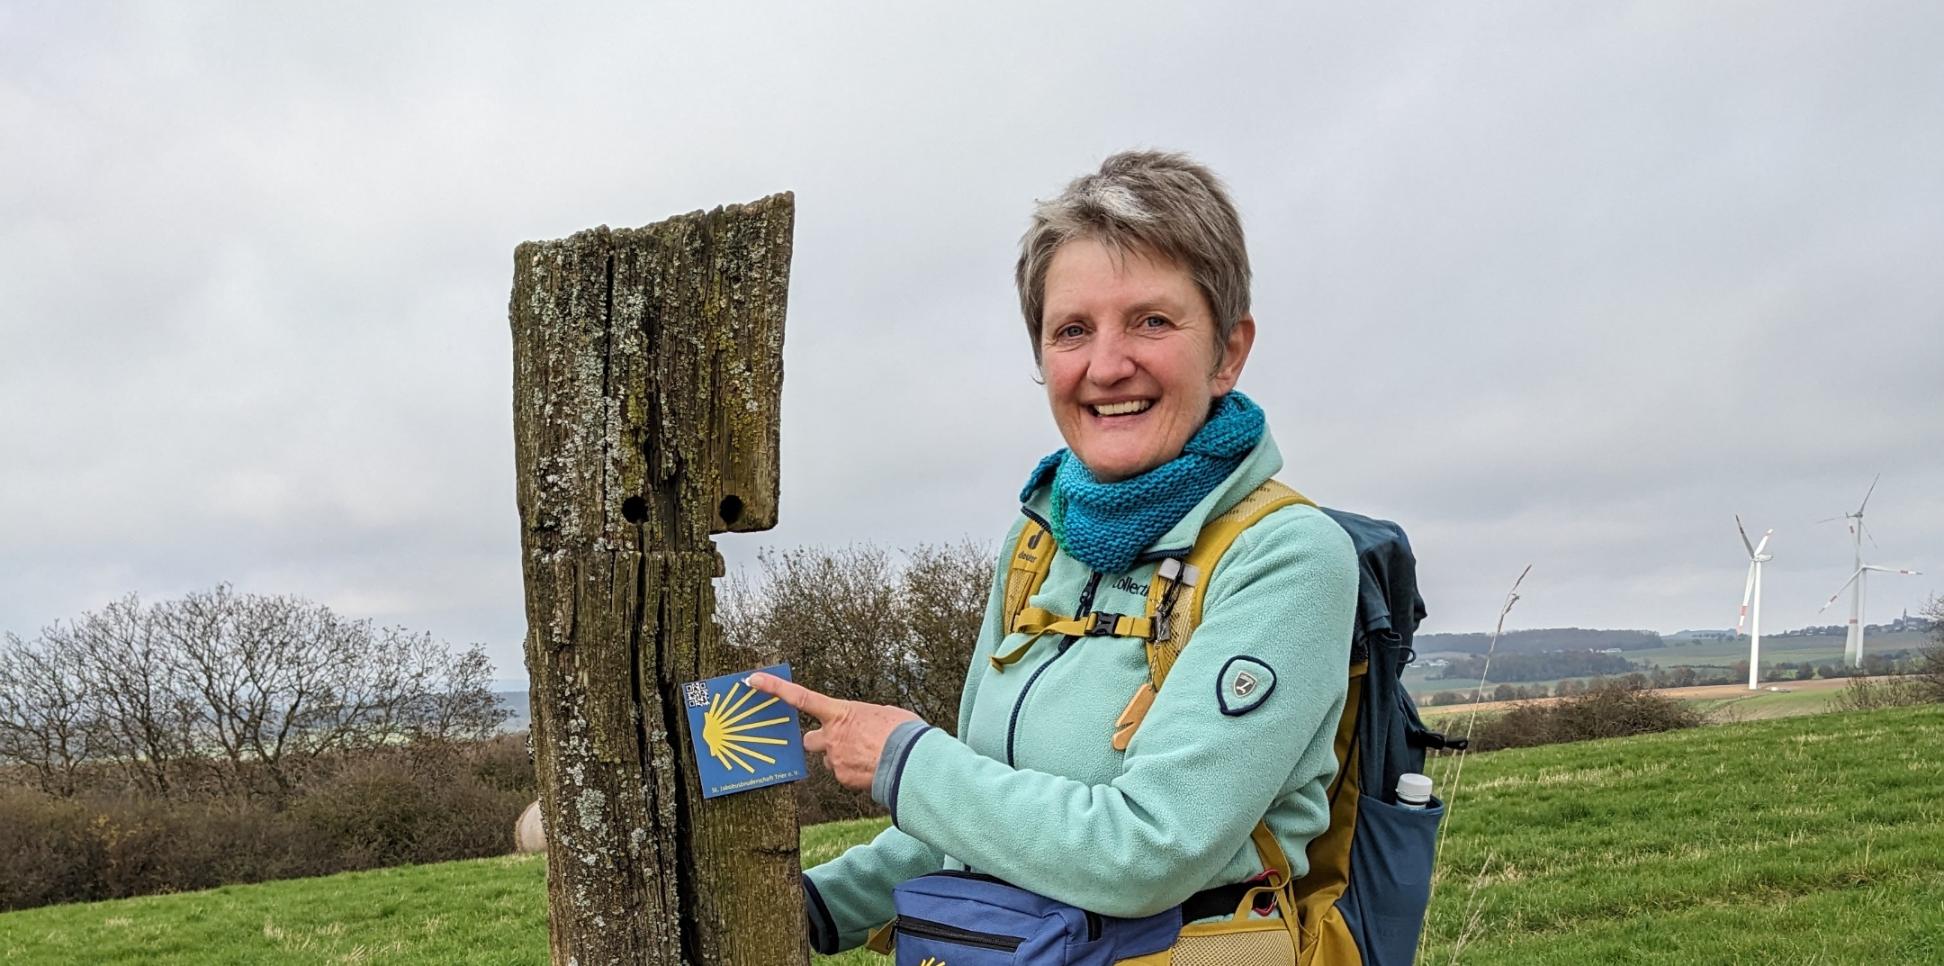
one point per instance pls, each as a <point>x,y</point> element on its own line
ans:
<point>852,735</point>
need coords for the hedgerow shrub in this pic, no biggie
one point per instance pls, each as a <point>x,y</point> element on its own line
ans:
<point>46,842</point>
<point>1614,711</point>
<point>421,803</point>
<point>386,810</point>
<point>1869,694</point>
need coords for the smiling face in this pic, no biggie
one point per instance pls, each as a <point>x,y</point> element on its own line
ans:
<point>1127,349</point>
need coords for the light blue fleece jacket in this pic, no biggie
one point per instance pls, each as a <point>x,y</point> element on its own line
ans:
<point>1032,791</point>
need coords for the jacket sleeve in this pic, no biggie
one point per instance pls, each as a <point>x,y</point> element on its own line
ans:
<point>1200,772</point>
<point>850,895</point>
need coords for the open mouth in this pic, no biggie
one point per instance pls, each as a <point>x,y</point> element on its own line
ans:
<point>1128,408</point>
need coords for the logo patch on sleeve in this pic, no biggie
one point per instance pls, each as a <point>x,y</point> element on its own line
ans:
<point>1243,685</point>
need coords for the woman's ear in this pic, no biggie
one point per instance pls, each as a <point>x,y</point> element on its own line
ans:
<point>1235,353</point>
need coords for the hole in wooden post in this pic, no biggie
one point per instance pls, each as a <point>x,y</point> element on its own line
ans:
<point>731,508</point>
<point>635,509</point>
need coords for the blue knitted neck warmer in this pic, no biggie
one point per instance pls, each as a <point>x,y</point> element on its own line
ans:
<point>1107,525</point>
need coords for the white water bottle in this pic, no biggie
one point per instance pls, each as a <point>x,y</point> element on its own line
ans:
<point>1413,790</point>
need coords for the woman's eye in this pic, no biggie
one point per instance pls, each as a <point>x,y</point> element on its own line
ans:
<point>1154,322</point>
<point>1072,330</point>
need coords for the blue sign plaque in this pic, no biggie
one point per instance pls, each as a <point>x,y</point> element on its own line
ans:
<point>744,739</point>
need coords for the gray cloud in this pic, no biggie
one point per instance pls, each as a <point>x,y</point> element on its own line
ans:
<point>1566,286</point>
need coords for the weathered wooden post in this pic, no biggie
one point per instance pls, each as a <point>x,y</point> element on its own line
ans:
<point>647,381</point>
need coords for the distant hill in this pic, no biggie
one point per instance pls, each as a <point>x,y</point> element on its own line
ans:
<point>1583,639</point>
<point>1539,641</point>
<point>516,702</point>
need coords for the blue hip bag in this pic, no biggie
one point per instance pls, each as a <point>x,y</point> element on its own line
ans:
<point>969,919</point>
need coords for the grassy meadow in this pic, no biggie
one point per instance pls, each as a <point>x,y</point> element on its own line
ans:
<point>1721,703</point>
<point>1797,840</point>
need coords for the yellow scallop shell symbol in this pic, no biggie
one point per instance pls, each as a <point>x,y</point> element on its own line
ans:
<point>932,961</point>
<point>726,729</point>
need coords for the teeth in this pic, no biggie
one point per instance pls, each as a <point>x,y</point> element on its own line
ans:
<point>1123,408</point>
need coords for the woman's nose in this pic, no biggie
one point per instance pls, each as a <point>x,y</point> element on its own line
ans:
<point>1110,361</point>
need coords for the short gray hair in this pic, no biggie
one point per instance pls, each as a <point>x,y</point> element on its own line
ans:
<point>1159,204</point>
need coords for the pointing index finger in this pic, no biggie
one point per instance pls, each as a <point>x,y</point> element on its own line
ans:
<point>796,695</point>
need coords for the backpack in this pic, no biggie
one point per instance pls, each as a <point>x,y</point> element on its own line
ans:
<point>1364,896</point>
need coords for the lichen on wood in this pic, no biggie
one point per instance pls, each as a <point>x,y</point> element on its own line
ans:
<point>647,384</point>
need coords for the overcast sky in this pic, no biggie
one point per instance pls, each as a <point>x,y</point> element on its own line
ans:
<point>1566,285</point>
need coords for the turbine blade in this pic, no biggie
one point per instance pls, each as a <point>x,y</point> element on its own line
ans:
<point>1839,590</point>
<point>1893,570</point>
<point>1866,494</point>
<point>1866,532</point>
<point>1763,545</point>
<point>1744,535</point>
<point>1748,590</point>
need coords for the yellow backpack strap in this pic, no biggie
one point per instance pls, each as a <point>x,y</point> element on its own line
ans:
<point>1175,596</point>
<point>1038,620</point>
<point>1175,619</point>
<point>1314,896</point>
<point>1032,557</point>
<point>883,939</point>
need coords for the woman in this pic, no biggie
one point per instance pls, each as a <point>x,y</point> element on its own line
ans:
<point>1134,285</point>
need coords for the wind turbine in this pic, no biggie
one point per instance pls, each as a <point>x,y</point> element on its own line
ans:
<point>1858,580</point>
<point>1752,591</point>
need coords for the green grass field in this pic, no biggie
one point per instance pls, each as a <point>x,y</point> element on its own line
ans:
<point>1757,705</point>
<point>1799,840</point>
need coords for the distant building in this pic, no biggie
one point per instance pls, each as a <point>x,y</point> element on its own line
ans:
<point>1702,635</point>
<point>1908,623</point>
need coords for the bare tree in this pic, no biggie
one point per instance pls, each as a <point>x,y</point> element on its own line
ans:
<point>833,613</point>
<point>45,724</point>
<point>943,592</point>
<point>836,613</point>
<point>251,663</point>
<point>857,624</point>
<point>280,683</point>
<point>246,691</point>
<point>133,689</point>
<point>1929,672</point>
<point>455,702</point>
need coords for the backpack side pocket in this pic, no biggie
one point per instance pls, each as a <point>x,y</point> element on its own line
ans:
<point>1390,878</point>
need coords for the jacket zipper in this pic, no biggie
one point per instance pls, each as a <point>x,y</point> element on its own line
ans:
<point>953,934</point>
<point>1012,725</point>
